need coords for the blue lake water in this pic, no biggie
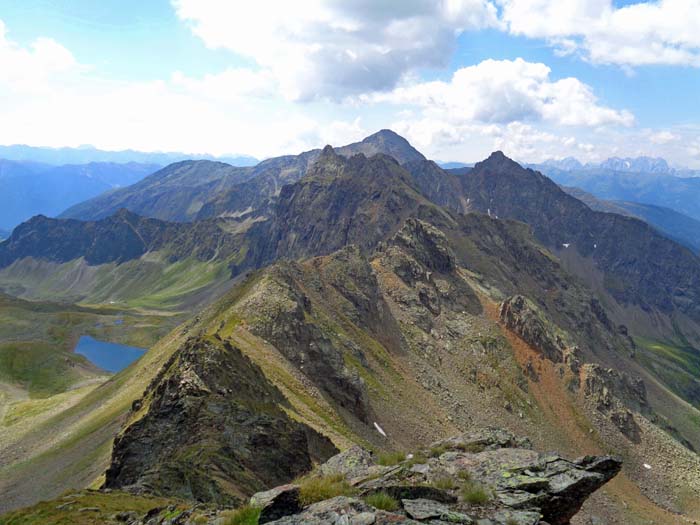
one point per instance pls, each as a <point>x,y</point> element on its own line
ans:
<point>112,357</point>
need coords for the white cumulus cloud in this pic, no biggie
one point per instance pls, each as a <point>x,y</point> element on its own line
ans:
<point>502,91</point>
<point>643,33</point>
<point>28,68</point>
<point>334,48</point>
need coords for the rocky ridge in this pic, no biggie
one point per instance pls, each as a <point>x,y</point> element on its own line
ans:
<point>211,428</point>
<point>487,477</point>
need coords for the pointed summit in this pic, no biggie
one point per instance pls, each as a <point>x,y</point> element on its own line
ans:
<point>328,151</point>
<point>387,142</point>
<point>497,162</point>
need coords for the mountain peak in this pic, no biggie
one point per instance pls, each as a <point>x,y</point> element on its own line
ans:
<point>497,162</point>
<point>384,134</point>
<point>328,151</point>
<point>384,141</point>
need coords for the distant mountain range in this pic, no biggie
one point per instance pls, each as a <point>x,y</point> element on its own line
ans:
<point>88,154</point>
<point>647,165</point>
<point>678,190</point>
<point>31,188</point>
<point>48,181</point>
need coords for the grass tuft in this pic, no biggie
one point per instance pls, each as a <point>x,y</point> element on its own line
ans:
<point>389,459</point>
<point>444,483</point>
<point>464,475</point>
<point>246,515</point>
<point>475,494</point>
<point>438,451</point>
<point>382,501</point>
<point>318,488</point>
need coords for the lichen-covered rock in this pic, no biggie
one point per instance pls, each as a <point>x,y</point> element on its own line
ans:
<point>343,511</point>
<point>478,478</point>
<point>355,464</point>
<point>483,439</point>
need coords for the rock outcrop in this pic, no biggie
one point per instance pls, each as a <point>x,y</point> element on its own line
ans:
<point>211,428</point>
<point>487,477</point>
<point>524,318</point>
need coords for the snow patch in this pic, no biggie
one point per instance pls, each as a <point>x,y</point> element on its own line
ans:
<point>379,429</point>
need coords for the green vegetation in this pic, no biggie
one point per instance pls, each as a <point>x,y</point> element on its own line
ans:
<point>676,363</point>
<point>444,483</point>
<point>389,459</point>
<point>464,475</point>
<point>472,448</point>
<point>246,515</point>
<point>317,488</point>
<point>65,510</point>
<point>475,493</point>
<point>436,452</point>
<point>382,501</point>
<point>40,367</point>
<point>418,459</point>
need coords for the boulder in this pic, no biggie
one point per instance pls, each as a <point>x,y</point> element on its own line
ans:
<point>277,503</point>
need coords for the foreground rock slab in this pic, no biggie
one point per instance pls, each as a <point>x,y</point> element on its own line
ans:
<point>489,477</point>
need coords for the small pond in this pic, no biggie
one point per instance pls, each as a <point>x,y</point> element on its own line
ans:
<point>112,357</point>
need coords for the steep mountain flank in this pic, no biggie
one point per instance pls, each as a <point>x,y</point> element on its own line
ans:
<point>211,428</point>
<point>189,190</point>
<point>681,228</point>
<point>266,182</point>
<point>440,186</point>
<point>174,193</point>
<point>124,258</point>
<point>119,238</point>
<point>341,201</point>
<point>640,266</point>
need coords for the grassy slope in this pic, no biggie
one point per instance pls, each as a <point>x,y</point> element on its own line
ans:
<point>103,509</point>
<point>151,282</point>
<point>71,448</point>
<point>37,340</point>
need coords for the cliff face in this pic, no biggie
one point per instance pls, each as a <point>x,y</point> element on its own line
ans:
<point>211,428</point>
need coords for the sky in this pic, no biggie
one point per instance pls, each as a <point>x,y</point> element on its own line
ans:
<point>537,79</point>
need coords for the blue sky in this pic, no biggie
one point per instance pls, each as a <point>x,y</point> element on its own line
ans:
<point>459,78</point>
